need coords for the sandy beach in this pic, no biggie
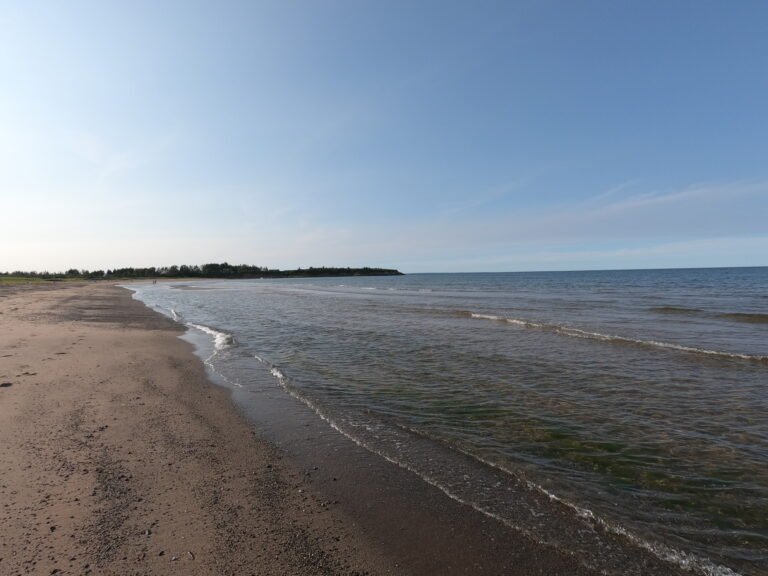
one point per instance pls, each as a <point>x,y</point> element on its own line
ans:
<point>121,457</point>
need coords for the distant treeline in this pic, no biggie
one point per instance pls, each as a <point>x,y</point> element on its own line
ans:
<point>223,270</point>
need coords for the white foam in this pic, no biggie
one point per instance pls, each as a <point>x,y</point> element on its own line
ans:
<point>277,374</point>
<point>578,333</point>
<point>690,562</point>
<point>221,340</point>
<point>685,560</point>
<point>485,316</point>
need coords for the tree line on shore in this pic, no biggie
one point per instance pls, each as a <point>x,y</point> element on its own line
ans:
<point>212,270</point>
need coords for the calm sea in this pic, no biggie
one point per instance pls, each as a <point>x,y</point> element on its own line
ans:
<point>636,399</point>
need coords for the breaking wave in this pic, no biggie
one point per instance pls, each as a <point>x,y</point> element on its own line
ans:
<point>221,340</point>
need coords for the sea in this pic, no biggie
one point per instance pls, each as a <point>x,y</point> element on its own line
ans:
<point>636,400</point>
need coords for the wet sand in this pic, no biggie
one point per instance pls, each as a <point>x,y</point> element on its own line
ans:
<point>119,456</point>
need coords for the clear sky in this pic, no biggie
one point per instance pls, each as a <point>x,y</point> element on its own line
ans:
<point>427,136</point>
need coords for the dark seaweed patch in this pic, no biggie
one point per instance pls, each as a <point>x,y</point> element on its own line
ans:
<point>675,310</point>
<point>750,318</point>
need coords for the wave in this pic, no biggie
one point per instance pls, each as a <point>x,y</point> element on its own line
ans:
<point>611,338</point>
<point>191,287</point>
<point>681,558</point>
<point>687,561</point>
<point>221,340</point>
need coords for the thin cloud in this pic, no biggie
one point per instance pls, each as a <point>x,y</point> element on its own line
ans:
<point>611,192</point>
<point>696,213</point>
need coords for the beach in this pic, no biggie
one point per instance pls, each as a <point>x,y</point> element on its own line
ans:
<point>591,411</point>
<point>121,457</point>
<point>383,289</point>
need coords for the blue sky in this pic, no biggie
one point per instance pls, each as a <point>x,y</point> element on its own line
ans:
<point>427,136</point>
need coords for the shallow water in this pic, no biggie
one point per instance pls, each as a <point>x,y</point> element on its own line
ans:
<point>638,397</point>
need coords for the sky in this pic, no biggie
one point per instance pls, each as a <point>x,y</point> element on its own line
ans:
<point>425,136</point>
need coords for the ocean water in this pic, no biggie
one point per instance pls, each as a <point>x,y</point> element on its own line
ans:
<point>636,400</point>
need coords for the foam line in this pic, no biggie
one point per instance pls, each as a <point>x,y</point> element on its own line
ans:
<point>690,562</point>
<point>611,338</point>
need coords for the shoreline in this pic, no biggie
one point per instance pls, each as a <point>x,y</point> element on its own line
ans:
<point>120,456</point>
<point>125,458</point>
